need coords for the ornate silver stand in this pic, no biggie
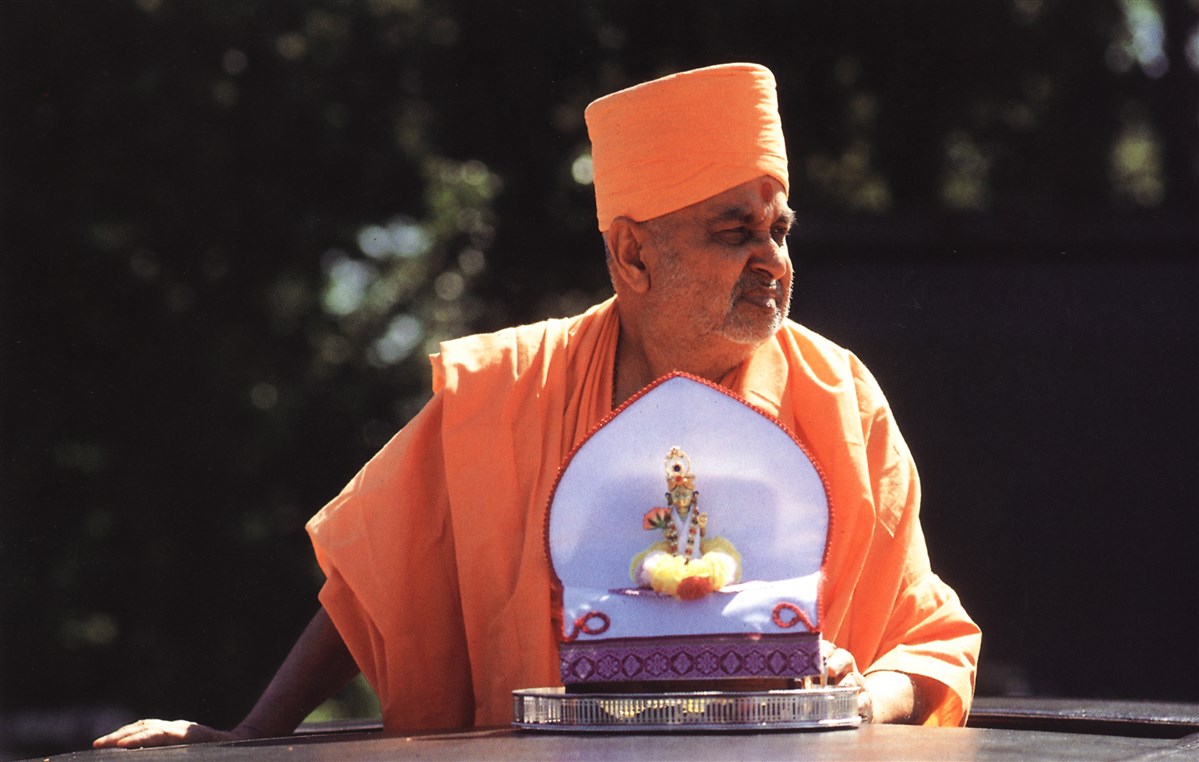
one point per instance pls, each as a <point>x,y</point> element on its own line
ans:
<point>800,708</point>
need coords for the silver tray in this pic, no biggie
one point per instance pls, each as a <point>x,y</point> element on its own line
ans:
<point>800,708</point>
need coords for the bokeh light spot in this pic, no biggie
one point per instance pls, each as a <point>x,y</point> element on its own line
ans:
<point>582,170</point>
<point>449,285</point>
<point>291,46</point>
<point>402,237</point>
<point>347,284</point>
<point>264,396</point>
<point>234,62</point>
<point>472,262</point>
<point>403,334</point>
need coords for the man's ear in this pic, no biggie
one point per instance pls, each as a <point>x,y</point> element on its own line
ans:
<point>626,240</point>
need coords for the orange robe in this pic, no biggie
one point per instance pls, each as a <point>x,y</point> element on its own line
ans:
<point>434,555</point>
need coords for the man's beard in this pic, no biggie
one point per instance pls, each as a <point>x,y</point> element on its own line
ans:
<point>752,324</point>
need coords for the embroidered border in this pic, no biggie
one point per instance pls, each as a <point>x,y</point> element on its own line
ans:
<point>692,658</point>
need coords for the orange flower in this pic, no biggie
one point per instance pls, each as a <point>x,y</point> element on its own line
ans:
<point>693,588</point>
<point>656,518</point>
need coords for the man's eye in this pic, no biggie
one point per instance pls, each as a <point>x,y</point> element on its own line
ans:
<point>779,234</point>
<point>735,236</point>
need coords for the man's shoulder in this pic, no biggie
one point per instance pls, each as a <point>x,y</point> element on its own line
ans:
<point>511,350</point>
<point>812,344</point>
<point>822,357</point>
<point>817,341</point>
<point>497,345</point>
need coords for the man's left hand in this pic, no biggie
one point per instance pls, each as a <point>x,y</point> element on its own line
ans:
<point>885,695</point>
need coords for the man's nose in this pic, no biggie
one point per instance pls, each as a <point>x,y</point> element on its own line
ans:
<point>769,257</point>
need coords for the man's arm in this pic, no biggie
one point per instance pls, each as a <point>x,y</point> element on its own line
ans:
<point>902,698</point>
<point>318,666</point>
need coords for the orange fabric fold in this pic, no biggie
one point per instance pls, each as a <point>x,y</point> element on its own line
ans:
<point>434,554</point>
<point>666,144</point>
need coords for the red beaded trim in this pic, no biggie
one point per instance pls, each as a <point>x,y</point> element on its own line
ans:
<point>799,616</point>
<point>582,626</point>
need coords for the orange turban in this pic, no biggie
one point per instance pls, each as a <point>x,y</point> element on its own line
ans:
<point>672,142</point>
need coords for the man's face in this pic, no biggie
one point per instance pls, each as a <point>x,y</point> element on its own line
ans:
<point>721,269</point>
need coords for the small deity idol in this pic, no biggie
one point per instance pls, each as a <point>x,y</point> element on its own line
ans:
<point>685,573</point>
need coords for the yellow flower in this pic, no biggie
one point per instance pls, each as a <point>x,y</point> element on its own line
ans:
<point>665,572</point>
<point>725,553</point>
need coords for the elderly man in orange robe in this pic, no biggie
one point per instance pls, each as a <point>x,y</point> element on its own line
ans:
<point>437,580</point>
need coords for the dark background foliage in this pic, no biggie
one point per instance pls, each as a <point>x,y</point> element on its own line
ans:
<point>232,230</point>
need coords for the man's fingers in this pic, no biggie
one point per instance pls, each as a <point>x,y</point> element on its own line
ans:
<point>842,670</point>
<point>156,733</point>
<point>115,737</point>
<point>131,735</point>
<point>865,706</point>
<point>840,664</point>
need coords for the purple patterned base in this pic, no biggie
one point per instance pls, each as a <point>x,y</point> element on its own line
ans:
<point>698,657</point>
